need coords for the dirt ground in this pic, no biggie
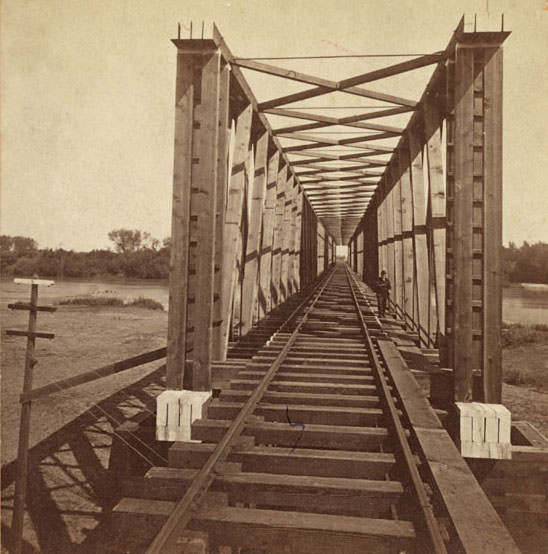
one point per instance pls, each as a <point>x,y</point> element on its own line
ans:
<point>86,338</point>
<point>528,401</point>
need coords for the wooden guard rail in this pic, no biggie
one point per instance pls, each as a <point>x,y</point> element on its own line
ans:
<point>424,336</point>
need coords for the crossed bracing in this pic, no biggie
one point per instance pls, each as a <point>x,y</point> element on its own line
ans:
<point>339,185</point>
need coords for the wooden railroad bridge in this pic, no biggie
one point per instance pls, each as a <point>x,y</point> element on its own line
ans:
<point>297,419</point>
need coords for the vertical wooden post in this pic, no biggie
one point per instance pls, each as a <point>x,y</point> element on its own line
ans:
<point>194,215</point>
<point>462,224</point>
<point>223,148</point>
<point>24,429</point>
<point>326,248</point>
<point>372,243</point>
<point>492,221</point>
<point>203,216</point>
<point>320,241</point>
<point>269,220</point>
<point>421,269</point>
<point>180,222</point>
<point>407,232</point>
<point>286,239</point>
<point>437,200</point>
<point>297,240</point>
<point>397,283</point>
<point>278,237</point>
<point>381,228</point>
<point>289,237</point>
<point>249,288</point>
<point>474,183</point>
<point>233,217</point>
<point>389,222</point>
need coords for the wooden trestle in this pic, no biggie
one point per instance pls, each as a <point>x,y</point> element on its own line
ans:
<point>321,443</point>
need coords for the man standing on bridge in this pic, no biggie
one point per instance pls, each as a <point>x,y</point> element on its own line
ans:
<point>383,292</point>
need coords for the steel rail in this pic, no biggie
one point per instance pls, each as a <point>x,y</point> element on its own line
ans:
<point>434,533</point>
<point>164,542</point>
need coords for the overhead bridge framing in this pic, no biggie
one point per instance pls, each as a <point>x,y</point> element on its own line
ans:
<point>257,214</point>
<point>256,217</point>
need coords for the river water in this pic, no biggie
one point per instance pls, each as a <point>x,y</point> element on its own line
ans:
<point>521,303</point>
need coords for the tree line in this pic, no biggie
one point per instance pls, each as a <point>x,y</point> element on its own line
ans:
<point>136,254</point>
<point>527,263</point>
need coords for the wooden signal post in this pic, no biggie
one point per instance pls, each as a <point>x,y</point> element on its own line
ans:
<point>24,426</point>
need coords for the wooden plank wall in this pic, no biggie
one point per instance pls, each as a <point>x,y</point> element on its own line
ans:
<point>438,217</point>
<point>244,238</point>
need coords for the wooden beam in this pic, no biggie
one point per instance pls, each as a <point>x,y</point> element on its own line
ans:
<point>418,196</point>
<point>286,240</point>
<point>278,236</point>
<point>285,73</point>
<point>391,70</point>
<point>477,526</point>
<point>318,91</point>
<point>297,251</point>
<point>251,262</point>
<point>406,231</point>
<point>492,221</point>
<point>437,220</point>
<point>328,179</point>
<point>223,152</point>
<point>361,157</point>
<point>339,168</point>
<point>320,173</point>
<point>233,216</point>
<point>399,275</point>
<point>390,266</point>
<point>269,220</point>
<point>381,244</point>
<point>350,85</point>
<point>203,206</point>
<point>247,527</point>
<point>385,112</point>
<point>180,222</point>
<point>462,230</point>
<point>333,120</point>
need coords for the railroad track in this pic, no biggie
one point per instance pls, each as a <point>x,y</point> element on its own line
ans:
<point>304,452</point>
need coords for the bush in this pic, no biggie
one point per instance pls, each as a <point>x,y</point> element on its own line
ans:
<point>140,302</point>
<point>92,301</point>
<point>514,377</point>
<point>516,334</point>
<point>147,303</point>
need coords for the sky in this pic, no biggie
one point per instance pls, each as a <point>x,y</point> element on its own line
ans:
<point>87,94</point>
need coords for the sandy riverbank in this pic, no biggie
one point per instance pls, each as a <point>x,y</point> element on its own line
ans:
<point>85,338</point>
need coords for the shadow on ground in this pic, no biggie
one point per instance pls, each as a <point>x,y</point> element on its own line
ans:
<point>73,481</point>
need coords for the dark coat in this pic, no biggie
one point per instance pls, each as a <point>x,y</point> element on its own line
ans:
<point>383,287</point>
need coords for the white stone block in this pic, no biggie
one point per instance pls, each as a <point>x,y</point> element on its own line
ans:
<point>484,430</point>
<point>175,412</point>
